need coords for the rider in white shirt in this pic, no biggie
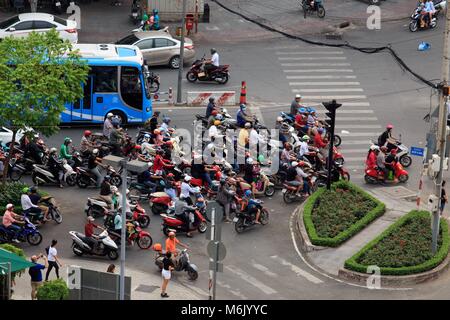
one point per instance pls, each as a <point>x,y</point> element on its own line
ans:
<point>213,63</point>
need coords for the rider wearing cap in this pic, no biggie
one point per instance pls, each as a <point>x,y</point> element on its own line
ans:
<point>242,116</point>
<point>171,244</point>
<point>107,125</point>
<point>86,143</point>
<point>64,151</point>
<point>10,220</point>
<point>295,105</point>
<point>89,228</point>
<point>186,190</point>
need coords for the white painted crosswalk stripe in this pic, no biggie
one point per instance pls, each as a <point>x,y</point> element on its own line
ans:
<point>313,64</point>
<point>326,83</point>
<point>317,70</point>
<point>248,278</point>
<point>354,159</point>
<point>329,90</point>
<point>341,97</point>
<point>300,272</point>
<point>360,134</point>
<point>264,269</point>
<point>320,77</point>
<point>358,126</point>
<point>366,142</point>
<point>308,53</point>
<point>355,151</point>
<point>346,111</point>
<point>341,119</point>
<point>355,167</point>
<point>310,58</point>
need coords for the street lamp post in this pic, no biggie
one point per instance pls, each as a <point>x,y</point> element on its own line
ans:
<point>180,69</point>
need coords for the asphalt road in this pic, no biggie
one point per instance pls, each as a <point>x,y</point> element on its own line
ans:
<point>263,263</point>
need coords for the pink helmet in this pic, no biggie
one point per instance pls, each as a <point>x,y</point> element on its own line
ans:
<point>389,126</point>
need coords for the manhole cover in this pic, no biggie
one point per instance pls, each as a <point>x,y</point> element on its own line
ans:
<point>397,192</point>
<point>145,288</point>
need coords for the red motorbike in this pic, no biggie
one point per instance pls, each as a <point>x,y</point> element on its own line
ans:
<point>159,202</point>
<point>134,235</point>
<point>140,216</point>
<point>373,175</point>
<point>173,223</point>
<point>197,72</point>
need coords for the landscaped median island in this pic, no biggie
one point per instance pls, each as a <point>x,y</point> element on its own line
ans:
<point>334,216</point>
<point>404,248</point>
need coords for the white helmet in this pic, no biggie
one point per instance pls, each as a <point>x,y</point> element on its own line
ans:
<point>53,150</point>
<point>250,160</point>
<point>279,119</point>
<point>95,151</point>
<point>294,163</point>
<point>187,178</point>
<point>109,115</point>
<point>149,164</point>
<point>374,147</point>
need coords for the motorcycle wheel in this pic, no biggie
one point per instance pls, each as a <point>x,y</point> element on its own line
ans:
<point>166,231</point>
<point>81,182</point>
<point>239,226</point>
<point>113,254</point>
<point>403,178</point>
<point>116,181</point>
<point>433,25</point>
<point>321,12</point>
<point>270,191</point>
<point>154,87</point>
<point>264,218</point>
<point>223,79</point>
<point>337,140</point>
<point>405,161</point>
<point>34,238</point>
<point>369,179</point>
<point>135,193</point>
<point>157,208</point>
<point>287,198</point>
<point>34,179</point>
<point>202,227</point>
<point>145,242</point>
<point>15,175</point>
<point>71,180</point>
<point>345,176</point>
<point>57,216</point>
<point>192,274</point>
<point>144,221</point>
<point>78,253</point>
<point>191,77</point>
<point>413,26</point>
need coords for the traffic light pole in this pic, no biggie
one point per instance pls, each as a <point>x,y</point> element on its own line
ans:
<point>331,107</point>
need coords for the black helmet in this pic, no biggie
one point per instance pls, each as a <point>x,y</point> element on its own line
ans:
<point>213,50</point>
<point>211,99</point>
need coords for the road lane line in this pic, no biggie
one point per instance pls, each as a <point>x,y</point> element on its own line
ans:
<point>313,64</point>
<point>236,292</point>
<point>298,271</point>
<point>358,126</point>
<point>263,269</point>
<point>308,53</point>
<point>355,167</point>
<point>355,151</point>
<point>248,278</point>
<point>345,111</point>
<point>342,97</point>
<point>342,119</point>
<point>360,134</point>
<point>356,104</point>
<point>320,77</point>
<point>356,142</point>
<point>354,159</point>
<point>329,90</point>
<point>317,70</point>
<point>310,58</point>
<point>344,83</point>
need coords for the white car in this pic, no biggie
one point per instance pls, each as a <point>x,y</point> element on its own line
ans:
<point>23,24</point>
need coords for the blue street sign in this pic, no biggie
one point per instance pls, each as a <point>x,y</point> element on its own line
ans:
<point>415,151</point>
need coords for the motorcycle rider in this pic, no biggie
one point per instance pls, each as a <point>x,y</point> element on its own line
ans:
<point>211,106</point>
<point>11,220</point>
<point>107,125</point>
<point>90,237</point>
<point>386,138</point>
<point>242,117</point>
<point>381,156</point>
<point>186,190</point>
<point>164,127</point>
<point>34,150</point>
<point>224,198</point>
<point>35,198</point>
<point>213,63</point>
<point>295,105</point>
<point>429,11</point>
<point>146,178</point>
<point>152,123</point>
<point>171,245</point>
<point>155,20</point>
<point>252,206</point>
<point>55,166</point>
<point>159,163</point>
<point>303,148</point>
<point>27,206</point>
<point>371,161</point>
<point>293,178</point>
<point>93,162</point>
<point>86,143</point>
<point>169,187</point>
<point>116,138</point>
<point>105,191</point>
<point>136,154</point>
<point>390,161</point>
<point>182,212</point>
<point>64,151</point>
<point>286,156</point>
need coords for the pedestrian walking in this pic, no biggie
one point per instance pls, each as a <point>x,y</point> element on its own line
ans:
<point>53,260</point>
<point>166,272</point>
<point>36,273</point>
<point>444,198</point>
<point>111,268</point>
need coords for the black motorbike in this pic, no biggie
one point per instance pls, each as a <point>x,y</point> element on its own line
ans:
<point>415,24</point>
<point>53,210</point>
<point>309,7</point>
<point>136,12</point>
<point>244,220</point>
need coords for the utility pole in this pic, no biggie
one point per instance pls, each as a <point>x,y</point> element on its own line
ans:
<point>331,108</point>
<point>442,130</point>
<point>180,69</point>
<point>123,241</point>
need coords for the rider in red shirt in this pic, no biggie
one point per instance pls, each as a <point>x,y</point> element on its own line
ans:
<point>318,141</point>
<point>371,161</point>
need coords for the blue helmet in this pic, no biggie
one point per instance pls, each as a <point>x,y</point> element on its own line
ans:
<point>312,110</point>
<point>301,110</point>
<point>243,107</point>
<point>147,136</point>
<point>248,193</point>
<point>166,120</point>
<point>115,122</point>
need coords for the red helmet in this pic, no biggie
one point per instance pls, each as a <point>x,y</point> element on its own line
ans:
<point>87,133</point>
<point>301,163</point>
<point>170,175</point>
<point>137,147</point>
<point>389,126</point>
<point>394,151</point>
<point>214,112</point>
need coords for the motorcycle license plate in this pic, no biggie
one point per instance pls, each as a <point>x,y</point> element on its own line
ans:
<point>235,219</point>
<point>284,191</point>
<point>134,14</point>
<point>201,74</point>
<point>58,4</point>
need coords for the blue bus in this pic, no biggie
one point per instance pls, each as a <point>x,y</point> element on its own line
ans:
<point>116,83</point>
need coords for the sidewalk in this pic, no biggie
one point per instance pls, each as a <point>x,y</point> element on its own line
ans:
<point>144,285</point>
<point>398,200</point>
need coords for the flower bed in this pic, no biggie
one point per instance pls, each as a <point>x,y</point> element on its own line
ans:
<point>404,248</point>
<point>332,217</point>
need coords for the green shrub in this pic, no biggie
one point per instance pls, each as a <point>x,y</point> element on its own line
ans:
<point>53,290</point>
<point>403,248</point>
<point>332,217</point>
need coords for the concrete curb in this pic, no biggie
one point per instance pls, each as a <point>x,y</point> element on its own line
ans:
<point>306,244</point>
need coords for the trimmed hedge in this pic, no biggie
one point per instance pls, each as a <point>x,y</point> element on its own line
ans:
<point>347,233</point>
<point>353,264</point>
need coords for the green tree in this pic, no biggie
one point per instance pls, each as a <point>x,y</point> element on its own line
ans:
<point>38,75</point>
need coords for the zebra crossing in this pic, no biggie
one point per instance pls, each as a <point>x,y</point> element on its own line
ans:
<point>322,74</point>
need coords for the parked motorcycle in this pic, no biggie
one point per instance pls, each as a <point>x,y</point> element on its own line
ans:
<point>28,233</point>
<point>244,220</point>
<point>182,264</point>
<point>105,246</point>
<point>220,74</point>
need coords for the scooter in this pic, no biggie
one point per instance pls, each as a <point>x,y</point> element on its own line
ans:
<point>244,220</point>
<point>53,209</point>
<point>105,246</point>
<point>42,175</point>
<point>159,202</point>
<point>373,176</point>
<point>183,263</point>
<point>96,207</point>
<point>415,25</point>
<point>338,172</point>
<point>134,235</point>
<point>135,12</point>
<point>316,7</point>
<point>137,215</point>
<point>219,75</point>
<point>28,233</point>
<point>290,192</point>
<point>173,223</point>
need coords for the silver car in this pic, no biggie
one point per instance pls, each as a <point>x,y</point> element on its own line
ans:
<point>160,48</point>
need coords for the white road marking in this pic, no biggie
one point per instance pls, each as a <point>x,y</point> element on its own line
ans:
<point>213,28</point>
<point>345,111</point>
<point>313,64</point>
<point>330,90</point>
<point>248,278</point>
<point>356,104</point>
<point>355,167</point>
<point>310,58</point>
<point>317,70</point>
<point>264,269</point>
<point>236,292</point>
<point>354,159</point>
<point>361,134</point>
<point>355,151</point>
<point>298,271</point>
<point>356,142</point>
<point>341,119</point>
<point>327,83</point>
<point>358,126</point>
<point>308,53</point>
<point>321,77</point>
<point>334,97</point>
